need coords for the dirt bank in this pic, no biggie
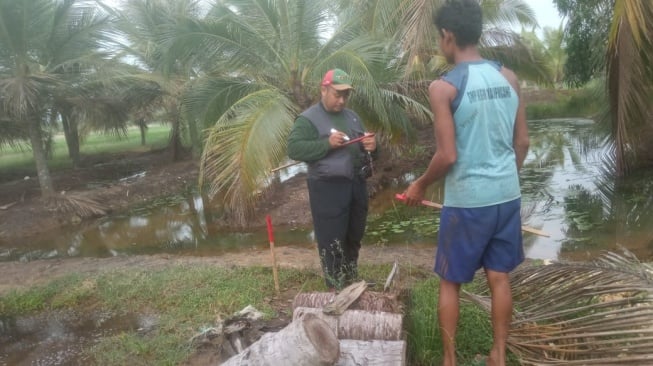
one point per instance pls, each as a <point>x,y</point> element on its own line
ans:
<point>18,275</point>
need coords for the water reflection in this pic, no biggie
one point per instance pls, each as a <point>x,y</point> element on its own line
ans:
<point>61,338</point>
<point>177,224</point>
<point>566,193</point>
<point>587,211</point>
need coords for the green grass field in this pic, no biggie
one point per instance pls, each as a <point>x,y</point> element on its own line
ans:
<point>19,159</point>
<point>187,299</point>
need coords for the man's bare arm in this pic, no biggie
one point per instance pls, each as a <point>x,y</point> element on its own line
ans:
<point>441,94</point>
<point>520,140</point>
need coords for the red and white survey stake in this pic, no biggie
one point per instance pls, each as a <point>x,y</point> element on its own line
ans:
<point>268,220</point>
<point>528,229</point>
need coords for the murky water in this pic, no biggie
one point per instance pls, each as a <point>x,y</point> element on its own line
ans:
<point>61,338</point>
<point>565,194</point>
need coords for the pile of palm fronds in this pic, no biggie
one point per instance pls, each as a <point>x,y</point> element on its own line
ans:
<point>595,313</point>
<point>77,204</point>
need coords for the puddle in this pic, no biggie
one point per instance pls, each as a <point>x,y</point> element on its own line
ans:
<point>60,338</point>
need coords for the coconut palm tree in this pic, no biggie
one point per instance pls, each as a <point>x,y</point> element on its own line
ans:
<point>616,37</point>
<point>629,81</point>
<point>46,47</point>
<point>144,25</point>
<point>410,26</point>
<point>262,62</point>
<point>555,53</point>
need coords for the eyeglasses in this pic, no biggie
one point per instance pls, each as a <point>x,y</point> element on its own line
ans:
<point>341,93</point>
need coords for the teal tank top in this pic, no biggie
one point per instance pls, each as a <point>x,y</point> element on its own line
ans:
<point>484,112</point>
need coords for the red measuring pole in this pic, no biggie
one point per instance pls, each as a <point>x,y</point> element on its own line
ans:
<point>268,220</point>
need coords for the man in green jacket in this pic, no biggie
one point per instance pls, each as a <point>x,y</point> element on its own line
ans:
<point>337,170</point>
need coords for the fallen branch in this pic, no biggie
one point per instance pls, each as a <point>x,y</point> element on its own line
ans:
<point>8,205</point>
<point>285,166</point>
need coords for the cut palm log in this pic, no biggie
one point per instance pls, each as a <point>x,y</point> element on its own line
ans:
<point>358,324</point>
<point>372,353</point>
<point>305,341</point>
<point>369,300</point>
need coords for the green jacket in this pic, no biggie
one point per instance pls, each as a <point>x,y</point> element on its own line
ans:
<point>311,144</point>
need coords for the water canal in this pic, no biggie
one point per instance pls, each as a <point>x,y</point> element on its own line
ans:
<point>566,193</point>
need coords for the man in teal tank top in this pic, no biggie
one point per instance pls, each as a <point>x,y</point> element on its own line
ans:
<point>482,141</point>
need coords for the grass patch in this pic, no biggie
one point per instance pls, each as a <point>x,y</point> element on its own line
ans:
<point>20,158</point>
<point>60,293</point>
<point>186,299</point>
<point>580,103</point>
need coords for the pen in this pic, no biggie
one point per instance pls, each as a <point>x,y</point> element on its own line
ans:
<point>333,130</point>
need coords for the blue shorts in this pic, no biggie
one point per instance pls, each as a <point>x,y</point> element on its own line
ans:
<point>471,238</point>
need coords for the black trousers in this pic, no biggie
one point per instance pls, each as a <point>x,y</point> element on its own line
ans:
<point>339,208</point>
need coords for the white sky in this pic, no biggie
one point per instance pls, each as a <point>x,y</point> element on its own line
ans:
<point>545,12</point>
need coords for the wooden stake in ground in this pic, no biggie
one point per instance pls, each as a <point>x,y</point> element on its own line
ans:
<point>391,277</point>
<point>268,220</point>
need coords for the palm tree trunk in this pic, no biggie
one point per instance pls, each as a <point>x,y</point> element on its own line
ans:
<point>195,140</point>
<point>175,133</point>
<point>72,138</point>
<point>143,127</point>
<point>45,181</point>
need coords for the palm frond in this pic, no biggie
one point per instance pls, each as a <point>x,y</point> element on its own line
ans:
<point>506,13</point>
<point>529,66</point>
<point>12,133</point>
<point>418,36</point>
<point>213,95</point>
<point>598,313</point>
<point>245,144</point>
<point>629,75</point>
<point>77,204</point>
<point>366,61</point>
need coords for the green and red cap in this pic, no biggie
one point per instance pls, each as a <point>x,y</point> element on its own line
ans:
<point>337,79</point>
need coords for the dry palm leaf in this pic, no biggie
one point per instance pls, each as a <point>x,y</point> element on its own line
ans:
<point>598,313</point>
<point>77,204</point>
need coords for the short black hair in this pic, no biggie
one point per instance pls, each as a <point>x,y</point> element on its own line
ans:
<point>463,18</point>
